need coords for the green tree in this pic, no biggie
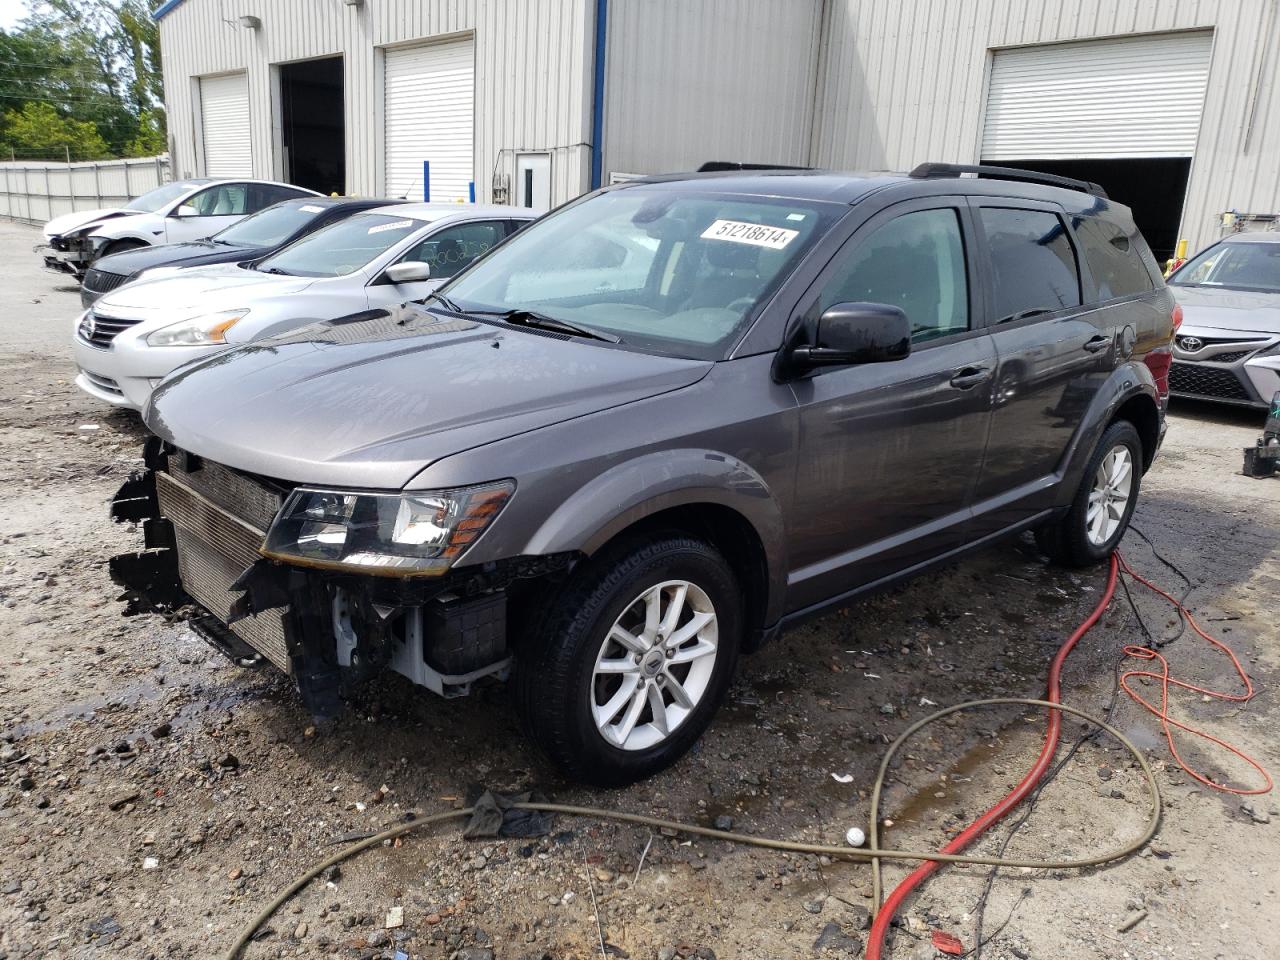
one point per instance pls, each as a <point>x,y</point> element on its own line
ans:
<point>38,129</point>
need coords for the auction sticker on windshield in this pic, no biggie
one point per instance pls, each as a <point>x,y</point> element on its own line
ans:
<point>393,225</point>
<point>756,234</point>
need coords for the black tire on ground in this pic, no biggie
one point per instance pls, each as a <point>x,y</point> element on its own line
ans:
<point>554,670</point>
<point>120,246</point>
<point>1066,540</point>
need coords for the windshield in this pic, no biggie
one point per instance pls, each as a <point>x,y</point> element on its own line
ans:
<point>343,247</point>
<point>157,198</point>
<point>268,227</point>
<point>1234,266</point>
<point>667,270</point>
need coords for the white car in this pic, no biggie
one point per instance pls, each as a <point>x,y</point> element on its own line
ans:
<point>177,212</point>
<point>136,334</point>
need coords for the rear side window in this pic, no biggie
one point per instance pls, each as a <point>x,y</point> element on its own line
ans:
<point>1033,266</point>
<point>915,262</point>
<point>1114,258</point>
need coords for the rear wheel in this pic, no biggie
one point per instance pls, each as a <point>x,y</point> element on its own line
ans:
<point>1103,505</point>
<point>631,663</point>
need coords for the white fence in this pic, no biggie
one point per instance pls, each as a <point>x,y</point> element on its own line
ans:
<point>36,190</point>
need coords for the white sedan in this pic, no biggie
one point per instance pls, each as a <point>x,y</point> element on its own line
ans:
<point>135,335</point>
<point>174,213</point>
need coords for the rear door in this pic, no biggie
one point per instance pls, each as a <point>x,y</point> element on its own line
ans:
<point>890,452</point>
<point>1053,354</point>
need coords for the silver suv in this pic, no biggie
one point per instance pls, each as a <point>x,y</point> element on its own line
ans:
<point>653,429</point>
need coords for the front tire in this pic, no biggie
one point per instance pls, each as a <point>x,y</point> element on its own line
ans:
<point>1103,505</point>
<point>120,246</point>
<point>632,661</point>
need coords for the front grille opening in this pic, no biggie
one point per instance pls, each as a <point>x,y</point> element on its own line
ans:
<point>103,383</point>
<point>102,281</point>
<point>1211,382</point>
<point>104,329</point>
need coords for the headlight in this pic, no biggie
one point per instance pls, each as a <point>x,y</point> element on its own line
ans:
<point>202,331</point>
<point>391,535</point>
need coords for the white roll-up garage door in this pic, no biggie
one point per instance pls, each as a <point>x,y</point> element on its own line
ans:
<point>430,93</point>
<point>224,123</point>
<point>1124,97</point>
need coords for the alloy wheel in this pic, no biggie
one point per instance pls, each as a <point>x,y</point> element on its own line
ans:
<point>654,665</point>
<point>1109,496</point>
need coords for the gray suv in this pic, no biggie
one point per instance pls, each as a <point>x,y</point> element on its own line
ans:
<point>653,429</point>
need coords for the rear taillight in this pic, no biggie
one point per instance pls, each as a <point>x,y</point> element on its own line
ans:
<point>1177,317</point>
<point>1158,362</point>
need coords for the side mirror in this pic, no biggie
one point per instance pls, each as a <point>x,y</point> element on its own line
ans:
<point>855,333</point>
<point>408,271</point>
<point>186,210</point>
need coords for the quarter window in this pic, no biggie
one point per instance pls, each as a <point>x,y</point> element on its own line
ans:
<point>456,247</point>
<point>915,262</point>
<point>1033,266</point>
<point>1113,257</point>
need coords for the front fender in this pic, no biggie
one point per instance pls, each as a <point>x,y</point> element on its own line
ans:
<point>632,491</point>
<point>1129,380</point>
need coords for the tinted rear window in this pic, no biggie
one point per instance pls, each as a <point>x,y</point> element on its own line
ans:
<point>1114,258</point>
<point>1033,265</point>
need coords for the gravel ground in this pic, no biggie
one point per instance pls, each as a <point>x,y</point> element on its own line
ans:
<point>152,796</point>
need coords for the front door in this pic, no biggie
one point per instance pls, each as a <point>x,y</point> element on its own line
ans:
<point>1052,353</point>
<point>215,207</point>
<point>446,252</point>
<point>890,452</point>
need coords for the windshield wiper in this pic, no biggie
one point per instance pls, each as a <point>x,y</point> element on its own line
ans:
<point>444,301</point>
<point>521,317</point>
<point>277,272</point>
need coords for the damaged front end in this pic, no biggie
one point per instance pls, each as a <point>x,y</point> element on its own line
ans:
<point>205,531</point>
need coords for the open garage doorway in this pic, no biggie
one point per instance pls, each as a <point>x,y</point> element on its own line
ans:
<point>312,134</point>
<point>1152,187</point>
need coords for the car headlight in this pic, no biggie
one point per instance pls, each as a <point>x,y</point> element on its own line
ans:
<point>202,331</point>
<point>384,534</point>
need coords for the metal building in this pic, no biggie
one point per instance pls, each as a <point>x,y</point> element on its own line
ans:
<point>1171,105</point>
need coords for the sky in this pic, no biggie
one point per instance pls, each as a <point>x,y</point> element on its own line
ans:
<point>11,11</point>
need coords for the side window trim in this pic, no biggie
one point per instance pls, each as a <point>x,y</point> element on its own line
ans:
<point>1084,278</point>
<point>864,229</point>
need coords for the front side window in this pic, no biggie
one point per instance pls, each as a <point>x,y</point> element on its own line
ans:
<point>224,200</point>
<point>1114,258</point>
<point>1033,266</point>
<point>268,227</point>
<point>1235,266</point>
<point>341,248</point>
<point>670,270</point>
<point>452,248</point>
<point>915,262</point>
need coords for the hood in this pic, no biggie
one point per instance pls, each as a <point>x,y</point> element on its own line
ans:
<point>69,222</point>
<point>195,253</point>
<point>1216,308</point>
<point>370,400</point>
<point>198,287</point>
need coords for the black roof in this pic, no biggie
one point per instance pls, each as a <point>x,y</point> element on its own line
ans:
<point>356,203</point>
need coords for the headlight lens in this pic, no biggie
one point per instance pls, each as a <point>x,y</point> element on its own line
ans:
<point>202,331</point>
<point>393,535</point>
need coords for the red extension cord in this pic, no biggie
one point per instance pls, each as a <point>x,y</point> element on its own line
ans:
<point>885,915</point>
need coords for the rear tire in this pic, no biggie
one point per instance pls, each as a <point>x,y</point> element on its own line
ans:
<point>1103,505</point>
<point>632,660</point>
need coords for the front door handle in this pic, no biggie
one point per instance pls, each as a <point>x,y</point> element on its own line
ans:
<point>1097,344</point>
<point>968,377</point>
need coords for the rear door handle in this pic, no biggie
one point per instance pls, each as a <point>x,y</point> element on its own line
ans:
<point>1097,344</point>
<point>969,377</point>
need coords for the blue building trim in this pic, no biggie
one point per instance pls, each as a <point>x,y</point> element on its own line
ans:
<point>164,8</point>
<point>597,97</point>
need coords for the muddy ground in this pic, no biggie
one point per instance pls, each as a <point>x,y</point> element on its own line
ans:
<point>152,795</point>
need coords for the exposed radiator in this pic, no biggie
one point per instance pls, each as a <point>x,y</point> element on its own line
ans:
<point>215,546</point>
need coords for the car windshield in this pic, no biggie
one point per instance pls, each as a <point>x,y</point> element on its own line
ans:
<point>157,198</point>
<point>667,270</point>
<point>343,247</point>
<point>1234,266</point>
<point>271,226</point>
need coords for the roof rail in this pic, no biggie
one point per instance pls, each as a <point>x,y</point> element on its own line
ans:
<point>719,166</point>
<point>933,171</point>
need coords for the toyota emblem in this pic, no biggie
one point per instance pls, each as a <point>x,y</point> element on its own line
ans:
<point>1190,344</point>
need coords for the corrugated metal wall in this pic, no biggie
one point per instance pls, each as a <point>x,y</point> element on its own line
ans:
<point>533,75</point>
<point>905,81</point>
<point>697,80</point>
